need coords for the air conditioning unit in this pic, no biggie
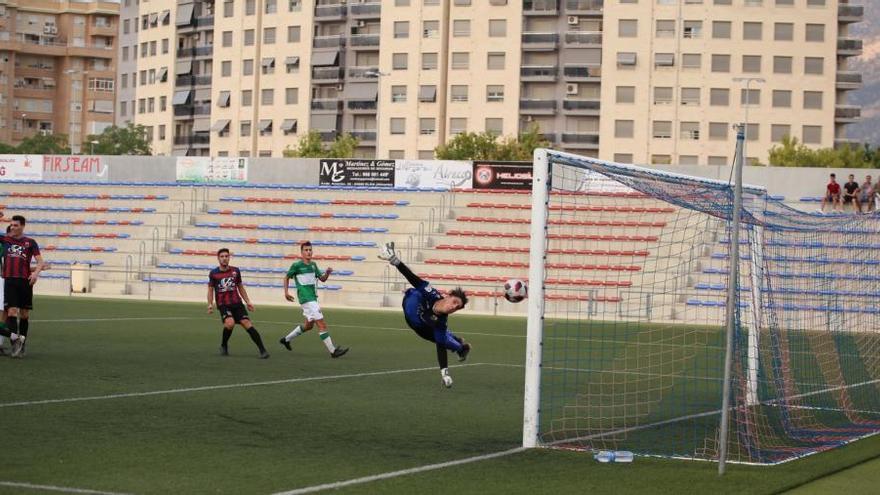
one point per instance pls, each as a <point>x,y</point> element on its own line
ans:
<point>571,89</point>
<point>361,24</point>
<point>573,19</point>
<point>340,87</point>
<point>529,118</point>
<point>50,29</point>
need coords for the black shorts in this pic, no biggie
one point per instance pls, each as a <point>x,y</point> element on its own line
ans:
<point>235,311</point>
<point>18,293</point>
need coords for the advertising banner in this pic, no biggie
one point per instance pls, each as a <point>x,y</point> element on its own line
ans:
<point>374,173</point>
<point>207,169</point>
<point>425,174</point>
<point>594,182</point>
<point>21,167</point>
<point>503,175</point>
<point>84,168</point>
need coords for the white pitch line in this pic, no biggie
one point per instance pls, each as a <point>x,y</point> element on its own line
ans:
<point>221,387</point>
<point>63,489</point>
<point>92,320</point>
<point>402,472</point>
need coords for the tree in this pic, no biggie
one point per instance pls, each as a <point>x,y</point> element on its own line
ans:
<point>40,144</point>
<point>312,146</point>
<point>128,140</point>
<point>485,146</point>
<point>791,153</point>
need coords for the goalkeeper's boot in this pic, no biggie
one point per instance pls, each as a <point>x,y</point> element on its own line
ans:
<point>285,343</point>
<point>465,350</point>
<point>264,355</point>
<point>224,351</point>
<point>445,378</point>
<point>388,254</point>
<point>17,346</point>
<point>338,352</point>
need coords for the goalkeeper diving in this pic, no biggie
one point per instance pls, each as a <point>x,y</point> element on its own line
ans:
<point>426,311</point>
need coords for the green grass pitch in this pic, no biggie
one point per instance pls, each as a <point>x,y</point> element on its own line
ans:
<point>182,419</point>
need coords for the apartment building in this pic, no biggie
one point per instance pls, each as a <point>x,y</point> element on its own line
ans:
<point>57,69</point>
<point>639,81</point>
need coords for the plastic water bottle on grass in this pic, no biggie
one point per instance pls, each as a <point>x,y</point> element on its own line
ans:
<point>605,456</point>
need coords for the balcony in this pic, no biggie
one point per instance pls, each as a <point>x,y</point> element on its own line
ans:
<point>330,12</point>
<point>364,136</point>
<point>580,140</point>
<point>327,75</point>
<point>332,105</point>
<point>852,143</point>
<point>196,51</point>
<point>537,107</point>
<point>584,7</point>
<point>362,105</point>
<point>845,114</point>
<point>850,13</point>
<point>197,138</point>
<point>538,73</point>
<point>190,110</point>
<point>849,80</point>
<point>581,107</point>
<point>549,136</point>
<point>583,38</point>
<point>849,47</point>
<point>334,41</point>
<point>328,136</point>
<point>540,41</point>
<point>541,7</point>
<point>581,73</point>
<point>364,40</point>
<point>366,10</point>
<point>198,22</point>
<point>191,80</point>
<point>363,72</point>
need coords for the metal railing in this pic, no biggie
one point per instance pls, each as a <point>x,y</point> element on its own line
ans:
<point>583,37</point>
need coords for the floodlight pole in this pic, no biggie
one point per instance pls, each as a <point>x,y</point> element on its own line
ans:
<point>732,289</point>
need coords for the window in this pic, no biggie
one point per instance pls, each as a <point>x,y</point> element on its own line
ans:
<point>152,76</point>
<point>248,37</point>
<point>662,95</point>
<point>751,64</point>
<point>497,28</point>
<point>495,126</point>
<point>250,7</point>
<point>812,100</point>
<point>163,103</point>
<point>662,129</point>
<point>294,5</point>
<point>661,160</point>
<point>124,53</point>
<point>428,93</point>
<point>784,3</point>
<point>779,131</point>
<point>124,81</point>
<point>626,59</point>
<point>665,28</point>
<point>271,7</point>
<point>151,104</point>
<point>460,60</point>
<point>245,128</point>
<point>814,65</point>
<point>783,31</point>
<point>162,132</point>
<point>721,30</point>
<point>427,126</point>
<point>267,97</point>
<point>718,131</point>
<point>265,127</point>
<point>753,31</point>
<point>123,107</point>
<point>398,94</point>
<point>627,28</point>
<point>495,61</point>
<point>228,8</point>
<point>461,28</point>
<point>782,65</point>
<point>269,35</point>
<point>688,160</point>
<point>247,67</point>
<point>718,160</point>
<point>429,61</point>
<point>462,3</point>
<point>689,131</point>
<point>753,132</point>
<point>399,61</point>
<point>430,29</point>
<point>719,97</point>
<point>291,96</point>
<point>293,34</point>
<point>165,45</point>
<point>291,64</point>
<point>623,128</point>
<point>720,63</point>
<point>812,134</point>
<point>397,125</point>
<point>494,93</point>
<point>691,60</point>
<point>152,48</point>
<point>626,94</point>
<point>425,154</point>
<point>664,59</point>
<point>815,32</point>
<point>781,98</point>
<point>396,155</point>
<point>227,38</point>
<point>751,96</point>
<point>268,65</point>
<point>247,97</point>
<point>497,2</point>
<point>815,3</point>
<point>692,29</point>
<point>457,125</point>
<point>401,3</point>
<point>690,96</point>
<point>623,157</point>
<point>401,29</point>
<point>225,68</point>
<point>458,93</point>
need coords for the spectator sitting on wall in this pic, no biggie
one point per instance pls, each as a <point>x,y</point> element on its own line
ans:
<point>851,193</point>
<point>866,196</point>
<point>832,194</point>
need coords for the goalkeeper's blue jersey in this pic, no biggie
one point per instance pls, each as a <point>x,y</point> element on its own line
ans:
<point>417,309</point>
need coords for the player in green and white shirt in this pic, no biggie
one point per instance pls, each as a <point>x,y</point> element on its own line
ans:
<point>306,273</point>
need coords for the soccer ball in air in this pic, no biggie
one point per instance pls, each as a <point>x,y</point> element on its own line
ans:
<point>515,290</point>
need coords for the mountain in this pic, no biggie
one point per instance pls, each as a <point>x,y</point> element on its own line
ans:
<point>868,97</point>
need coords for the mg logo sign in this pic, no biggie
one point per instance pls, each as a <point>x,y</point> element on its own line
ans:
<point>334,171</point>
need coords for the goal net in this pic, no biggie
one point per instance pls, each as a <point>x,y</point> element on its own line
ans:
<point>636,361</point>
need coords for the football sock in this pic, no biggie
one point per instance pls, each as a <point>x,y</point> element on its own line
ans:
<point>294,334</point>
<point>23,325</point>
<point>2,339</point>
<point>328,342</point>
<point>255,336</point>
<point>442,357</point>
<point>12,324</point>
<point>226,335</point>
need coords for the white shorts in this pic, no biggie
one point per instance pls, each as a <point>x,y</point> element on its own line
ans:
<point>312,311</point>
<point>2,298</point>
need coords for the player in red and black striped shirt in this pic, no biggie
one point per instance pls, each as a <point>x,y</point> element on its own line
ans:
<point>226,288</point>
<point>19,279</point>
